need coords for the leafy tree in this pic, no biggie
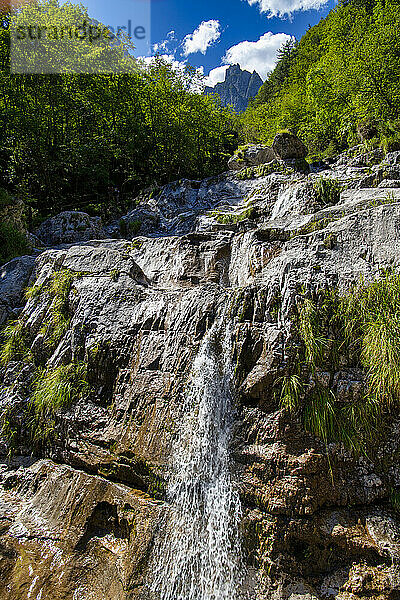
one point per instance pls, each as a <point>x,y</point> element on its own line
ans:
<point>345,70</point>
<point>93,140</point>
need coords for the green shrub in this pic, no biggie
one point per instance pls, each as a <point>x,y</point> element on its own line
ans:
<point>12,242</point>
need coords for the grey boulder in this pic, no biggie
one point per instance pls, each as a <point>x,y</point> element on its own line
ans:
<point>69,227</point>
<point>288,145</point>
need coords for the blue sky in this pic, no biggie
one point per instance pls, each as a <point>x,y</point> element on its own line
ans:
<point>222,28</point>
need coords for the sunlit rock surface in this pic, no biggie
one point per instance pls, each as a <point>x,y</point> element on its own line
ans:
<point>80,515</point>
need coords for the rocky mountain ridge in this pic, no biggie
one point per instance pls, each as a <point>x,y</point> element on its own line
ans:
<point>82,501</point>
<point>238,88</point>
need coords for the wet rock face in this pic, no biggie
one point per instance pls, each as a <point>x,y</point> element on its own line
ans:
<point>14,277</point>
<point>81,509</point>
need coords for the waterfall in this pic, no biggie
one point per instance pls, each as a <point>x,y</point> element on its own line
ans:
<point>199,555</point>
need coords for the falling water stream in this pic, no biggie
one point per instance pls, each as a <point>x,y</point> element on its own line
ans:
<point>199,555</point>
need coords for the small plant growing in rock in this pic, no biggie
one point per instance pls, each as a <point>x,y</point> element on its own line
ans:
<point>136,244</point>
<point>55,389</point>
<point>14,343</point>
<point>291,391</point>
<point>59,290</point>
<point>327,191</point>
<point>364,326</point>
<point>114,274</point>
<point>389,198</point>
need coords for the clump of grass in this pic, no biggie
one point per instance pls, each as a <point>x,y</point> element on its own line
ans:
<point>327,191</point>
<point>315,342</point>
<point>9,431</point>
<point>380,354</point>
<point>34,291</point>
<point>363,324</point>
<point>263,170</point>
<point>320,415</point>
<point>231,218</point>
<point>389,198</point>
<point>56,388</point>
<point>316,225</point>
<point>330,241</point>
<point>14,345</point>
<point>136,244</point>
<point>291,391</point>
<point>59,290</point>
<point>114,274</point>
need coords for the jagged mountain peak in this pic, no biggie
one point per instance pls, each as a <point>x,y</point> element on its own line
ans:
<point>238,88</point>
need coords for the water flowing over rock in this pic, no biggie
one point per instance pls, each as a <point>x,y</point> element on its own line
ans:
<point>170,456</point>
<point>199,557</point>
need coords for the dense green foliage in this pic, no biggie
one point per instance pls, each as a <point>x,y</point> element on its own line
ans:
<point>359,329</point>
<point>341,77</point>
<point>92,141</point>
<point>13,240</point>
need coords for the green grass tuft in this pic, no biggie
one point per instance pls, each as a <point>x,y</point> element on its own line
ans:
<point>320,415</point>
<point>59,290</point>
<point>14,345</point>
<point>327,191</point>
<point>56,388</point>
<point>291,391</point>
<point>363,327</point>
<point>315,343</point>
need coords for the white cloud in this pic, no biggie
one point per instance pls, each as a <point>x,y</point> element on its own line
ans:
<point>216,76</point>
<point>285,8</point>
<point>166,45</point>
<point>177,65</point>
<point>257,56</point>
<point>168,58</point>
<point>201,39</point>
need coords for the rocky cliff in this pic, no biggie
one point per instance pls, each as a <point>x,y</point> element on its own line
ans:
<point>238,88</point>
<point>100,355</point>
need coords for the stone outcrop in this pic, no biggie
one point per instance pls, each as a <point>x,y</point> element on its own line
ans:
<point>14,277</point>
<point>289,146</point>
<point>238,88</point>
<point>82,508</point>
<point>69,227</point>
<point>251,156</point>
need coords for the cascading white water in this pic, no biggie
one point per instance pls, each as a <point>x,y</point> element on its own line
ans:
<point>199,555</point>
